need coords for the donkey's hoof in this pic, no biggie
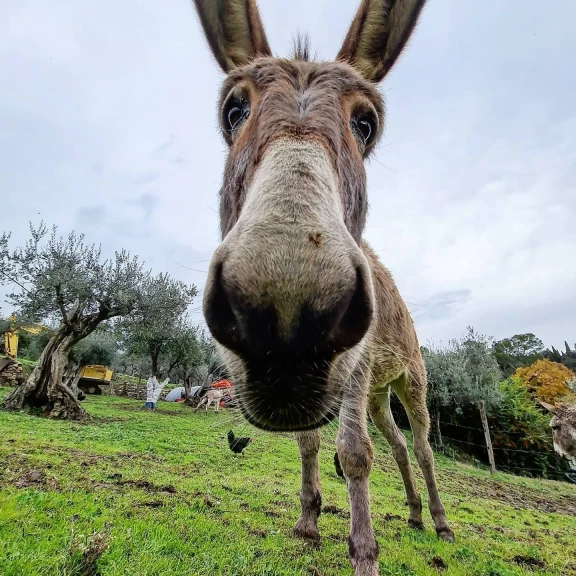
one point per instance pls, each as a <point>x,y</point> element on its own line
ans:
<point>306,531</point>
<point>445,534</point>
<point>415,524</point>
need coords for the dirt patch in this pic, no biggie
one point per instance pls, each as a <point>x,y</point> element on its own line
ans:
<point>389,517</point>
<point>208,502</point>
<point>131,456</point>
<point>87,555</point>
<point>138,408</point>
<point>438,564</point>
<point>529,562</point>
<point>144,484</point>
<point>329,509</point>
<point>32,478</point>
<point>153,504</point>
<point>258,532</point>
<point>515,495</point>
<point>147,485</point>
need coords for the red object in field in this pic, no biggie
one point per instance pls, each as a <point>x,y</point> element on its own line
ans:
<point>221,384</point>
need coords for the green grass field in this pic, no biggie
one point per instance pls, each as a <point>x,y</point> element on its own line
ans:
<point>140,493</point>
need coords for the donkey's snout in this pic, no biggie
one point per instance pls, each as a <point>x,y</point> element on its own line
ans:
<point>258,325</point>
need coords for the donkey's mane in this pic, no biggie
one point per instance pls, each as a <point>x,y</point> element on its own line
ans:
<point>301,48</point>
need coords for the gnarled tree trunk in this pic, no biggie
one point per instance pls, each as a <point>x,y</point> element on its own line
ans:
<point>71,378</point>
<point>44,388</point>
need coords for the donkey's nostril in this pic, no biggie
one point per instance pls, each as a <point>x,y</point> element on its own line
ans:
<point>218,311</point>
<point>236,321</point>
<point>249,324</point>
<point>354,315</point>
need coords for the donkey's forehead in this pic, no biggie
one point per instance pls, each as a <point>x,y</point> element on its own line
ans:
<point>336,77</point>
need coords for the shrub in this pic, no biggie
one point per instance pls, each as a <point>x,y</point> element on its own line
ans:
<point>546,380</point>
<point>521,434</point>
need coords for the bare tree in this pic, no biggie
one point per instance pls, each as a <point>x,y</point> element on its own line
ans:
<point>65,281</point>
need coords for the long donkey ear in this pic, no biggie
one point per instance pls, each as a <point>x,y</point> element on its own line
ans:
<point>378,34</point>
<point>549,407</point>
<point>234,31</point>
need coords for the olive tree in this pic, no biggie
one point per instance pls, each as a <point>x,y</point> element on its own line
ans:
<point>67,282</point>
<point>446,369</point>
<point>100,347</point>
<point>463,373</point>
<point>204,372</point>
<point>159,325</point>
<point>185,352</point>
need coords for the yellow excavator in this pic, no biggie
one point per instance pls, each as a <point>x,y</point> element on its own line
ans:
<point>92,376</point>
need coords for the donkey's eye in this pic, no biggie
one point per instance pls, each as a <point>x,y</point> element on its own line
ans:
<point>364,126</point>
<point>236,110</point>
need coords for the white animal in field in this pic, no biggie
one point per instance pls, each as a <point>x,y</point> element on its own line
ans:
<point>212,396</point>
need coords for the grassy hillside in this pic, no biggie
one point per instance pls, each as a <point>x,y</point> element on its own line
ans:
<point>140,493</point>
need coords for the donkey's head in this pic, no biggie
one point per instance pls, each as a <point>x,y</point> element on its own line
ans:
<point>563,426</point>
<point>289,295</point>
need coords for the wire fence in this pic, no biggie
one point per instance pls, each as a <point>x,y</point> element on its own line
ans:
<point>452,446</point>
<point>500,467</point>
<point>331,430</point>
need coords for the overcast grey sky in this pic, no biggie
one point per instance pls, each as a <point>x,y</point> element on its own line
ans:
<point>108,126</point>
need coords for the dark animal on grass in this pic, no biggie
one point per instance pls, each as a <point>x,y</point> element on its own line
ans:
<point>237,445</point>
<point>309,322</point>
<point>337,466</point>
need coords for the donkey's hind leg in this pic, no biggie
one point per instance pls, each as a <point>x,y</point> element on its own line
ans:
<point>379,410</point>
<point>412,394</point>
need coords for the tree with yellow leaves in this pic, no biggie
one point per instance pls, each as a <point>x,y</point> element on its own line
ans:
<point>546,380</point>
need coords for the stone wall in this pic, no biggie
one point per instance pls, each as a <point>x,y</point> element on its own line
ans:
<point>12,375</point>
<point>130,389</point>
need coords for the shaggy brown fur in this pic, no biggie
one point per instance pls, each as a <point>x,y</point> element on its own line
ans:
<point>563,426</point>
<point>309,322</point>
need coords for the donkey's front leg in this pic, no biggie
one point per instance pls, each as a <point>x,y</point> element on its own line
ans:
<point>355,454</point>
<point>310,495</point>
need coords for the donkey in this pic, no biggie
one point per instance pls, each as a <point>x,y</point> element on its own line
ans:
<point>211,397</point>
<point>563,426</point>
<point>308,321</point>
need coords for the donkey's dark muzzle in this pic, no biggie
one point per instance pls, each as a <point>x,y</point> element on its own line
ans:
<point>287,396</point>
<point>249,325</point>
<point>287,346</point>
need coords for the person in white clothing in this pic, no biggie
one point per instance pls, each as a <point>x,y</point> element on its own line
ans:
<point>153,391</point>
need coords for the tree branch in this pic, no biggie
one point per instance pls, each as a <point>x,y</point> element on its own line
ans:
<point>10,279</point>
<point>173,364</point>
<point>61,306</point>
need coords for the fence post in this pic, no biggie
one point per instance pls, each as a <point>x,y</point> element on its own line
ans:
<point>482,409</point>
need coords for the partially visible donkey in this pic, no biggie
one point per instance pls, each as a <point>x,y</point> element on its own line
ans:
<point>309,322</point>
<point>563,426</point>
